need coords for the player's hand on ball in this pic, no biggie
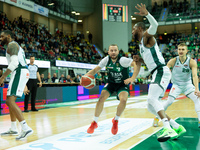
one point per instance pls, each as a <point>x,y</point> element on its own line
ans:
<point>197,93</point>
<point>129,80</point>
<point>142,9</point>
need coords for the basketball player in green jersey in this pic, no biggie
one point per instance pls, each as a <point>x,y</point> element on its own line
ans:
<point>155,62</point>
<point>118,80</point>
<point>184,71</point>
<point>19,76</point>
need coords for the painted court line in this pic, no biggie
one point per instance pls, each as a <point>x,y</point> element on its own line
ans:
<point>113,103</point>
<point>141,104</point>
<point>146,137</point>
<point>101,139</point>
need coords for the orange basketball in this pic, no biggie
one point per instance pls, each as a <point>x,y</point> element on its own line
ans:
<point>88,81</point>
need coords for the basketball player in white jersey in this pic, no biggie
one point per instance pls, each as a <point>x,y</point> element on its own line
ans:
<point>155,62</point>
<point>17,85</point>
<point>184,71</point>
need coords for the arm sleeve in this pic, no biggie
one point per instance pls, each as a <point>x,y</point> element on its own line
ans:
<point>153,24</point>
<point>14,62</point>
<point>103,62</point>
<point>125,62</point>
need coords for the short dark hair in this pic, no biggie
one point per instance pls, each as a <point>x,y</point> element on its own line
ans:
<point>142,25</point>
<point>8,32</point>
<point>113,45</point>
<point>32,56</point>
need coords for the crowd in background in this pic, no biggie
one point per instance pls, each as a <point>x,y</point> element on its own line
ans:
<point>38,41</point>
<point>62,79</point>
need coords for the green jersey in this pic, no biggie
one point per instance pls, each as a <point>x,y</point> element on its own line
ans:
<point>118,71</point>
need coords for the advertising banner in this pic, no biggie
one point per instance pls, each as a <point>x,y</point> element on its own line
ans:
<point>39,63</point>
<point>27,5</point>
<point>41,10</point>
<point>13,2</point>
<point>70,64</point>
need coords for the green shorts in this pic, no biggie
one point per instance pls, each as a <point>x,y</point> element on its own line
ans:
<point>116,87</point>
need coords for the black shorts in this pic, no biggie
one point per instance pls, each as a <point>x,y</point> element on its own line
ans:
<point>116,87</point>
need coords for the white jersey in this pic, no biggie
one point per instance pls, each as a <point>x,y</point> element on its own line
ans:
<point>152,56</point>
<point>21,57</point>
<point>181,73</point>
<point>124,62</point>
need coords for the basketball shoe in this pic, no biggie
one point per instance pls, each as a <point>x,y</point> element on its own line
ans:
<point>167,134</point>
<point>155,122</point>
<point>92,127</point>
<point>114,129</point>
<point>181,130</point>
<point>24,134</point>
<point>9,132</point>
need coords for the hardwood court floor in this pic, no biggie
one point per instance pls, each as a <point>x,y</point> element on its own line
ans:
<point>52,121</point>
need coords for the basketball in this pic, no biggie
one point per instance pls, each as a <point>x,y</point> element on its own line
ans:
<point>88,81</point>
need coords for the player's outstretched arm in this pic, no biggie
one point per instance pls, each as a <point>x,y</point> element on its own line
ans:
<point>94,71</point>
<point>136,66</point>
<point>171,63</point>
<point>193,66</point>
<point>153,23</point>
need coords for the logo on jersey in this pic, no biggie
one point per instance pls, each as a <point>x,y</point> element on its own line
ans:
<point>177,66</point>
<point>117,64</point>
<point>185,65</point>
<point>142,51</point>
<point>109,67</point>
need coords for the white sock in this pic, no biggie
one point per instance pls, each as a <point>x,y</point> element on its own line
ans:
<point>117,117</point>
<point>96,119</point>
<point>166,123</point>
<point>24,125</point>
<point>174,124</point>
<point>13,125</point>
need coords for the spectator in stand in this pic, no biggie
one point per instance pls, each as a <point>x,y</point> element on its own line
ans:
<point>68,79</point>
<point>48,80</point>
<point>54,77</point>
<point>62,79</point>
<point>42,78</point>
<point>90,37</point>
<point>99,78</point>
<point>77,79</point>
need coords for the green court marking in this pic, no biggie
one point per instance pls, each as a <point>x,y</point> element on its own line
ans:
<point>189,141</point>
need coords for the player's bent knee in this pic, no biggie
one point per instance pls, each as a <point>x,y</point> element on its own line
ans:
<point>123,100</point>
<point>150,101</point>
<point>102,99</point>
<point>7,102</point>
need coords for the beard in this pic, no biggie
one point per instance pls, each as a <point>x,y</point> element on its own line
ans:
<point>114,57</point>
<point>136,37</point>
<point>4,41</point>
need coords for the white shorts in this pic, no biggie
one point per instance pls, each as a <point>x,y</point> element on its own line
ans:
<point>161,76</point>
<point>19,78</point>
<point>177,90</point>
